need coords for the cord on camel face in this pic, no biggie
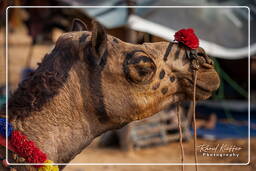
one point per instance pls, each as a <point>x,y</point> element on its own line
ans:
<point>194,117</point>
<point>180,135</point>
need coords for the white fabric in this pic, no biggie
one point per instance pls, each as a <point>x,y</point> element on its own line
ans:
<point>213,49</point>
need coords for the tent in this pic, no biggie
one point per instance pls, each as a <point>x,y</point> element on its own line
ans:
<point>223,31</point>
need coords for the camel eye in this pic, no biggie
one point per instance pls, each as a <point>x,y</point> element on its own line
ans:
<point>139,70</point>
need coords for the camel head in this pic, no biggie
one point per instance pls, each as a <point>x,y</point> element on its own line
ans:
<point>92,82</point>
<point>135,81</point>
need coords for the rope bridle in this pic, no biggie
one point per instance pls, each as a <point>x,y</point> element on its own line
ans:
<point>194,118</point>
<point>192,56</point>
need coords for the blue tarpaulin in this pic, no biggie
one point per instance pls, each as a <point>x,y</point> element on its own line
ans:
<point>227,130</point>
<point>234,111</point>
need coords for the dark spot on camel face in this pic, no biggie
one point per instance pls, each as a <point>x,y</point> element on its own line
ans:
<point>172,78</point>
<point>168,50</point>
<point>156,86</point>
<point>162,74</point>
<point>177,53</point>
<point>164,90</point>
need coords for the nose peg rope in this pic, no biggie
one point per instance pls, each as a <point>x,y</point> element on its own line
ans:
<point>188,38</point>
<point>194,125</point>
<point>194,117</point>
<point>180,135</point>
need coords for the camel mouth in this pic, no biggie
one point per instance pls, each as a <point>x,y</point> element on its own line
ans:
<point>204,88</point>
<point>200,86</point>
<point>206,83</point>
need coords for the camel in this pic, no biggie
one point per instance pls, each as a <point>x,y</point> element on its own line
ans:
<point>92,82</point>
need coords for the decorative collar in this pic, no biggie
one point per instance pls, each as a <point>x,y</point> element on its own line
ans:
<point>20,144</point>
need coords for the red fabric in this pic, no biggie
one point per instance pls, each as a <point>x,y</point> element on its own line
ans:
<point>26,148</point>
<point>187,37</point>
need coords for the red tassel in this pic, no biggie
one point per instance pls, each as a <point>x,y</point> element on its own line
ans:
<point>187,37</point>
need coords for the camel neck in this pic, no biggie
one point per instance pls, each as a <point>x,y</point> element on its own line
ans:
<point>60,138</point>
<point>67,122</point>
<point>64,126</point>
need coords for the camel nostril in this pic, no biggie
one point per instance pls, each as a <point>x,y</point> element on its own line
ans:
<point>209,60</point>
<point>205,61</point>
<point>201,60</point>
<point>207,66</point>
<point>172,78</point>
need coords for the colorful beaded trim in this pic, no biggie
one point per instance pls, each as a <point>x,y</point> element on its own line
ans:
<point>25,148</point>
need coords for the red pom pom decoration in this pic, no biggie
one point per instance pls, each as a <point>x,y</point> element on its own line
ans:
<point>187,37</point>
<point>27,149</point>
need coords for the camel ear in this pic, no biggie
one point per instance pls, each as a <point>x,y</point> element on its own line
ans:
<point>78,25</point>
<point>99,42</point>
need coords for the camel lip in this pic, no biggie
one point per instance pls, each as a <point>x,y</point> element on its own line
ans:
<point>201,86</point>
<point>207,81</point>
<point>207,66</point>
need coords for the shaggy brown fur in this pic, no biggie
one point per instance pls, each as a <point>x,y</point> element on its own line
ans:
<point>93,82</point>
<point>41,85</point>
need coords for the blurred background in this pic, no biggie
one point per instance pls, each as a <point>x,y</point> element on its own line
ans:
<point>223,33</point>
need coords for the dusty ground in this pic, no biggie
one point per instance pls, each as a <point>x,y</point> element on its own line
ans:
<point>18,50</point>
<point>161,154</point>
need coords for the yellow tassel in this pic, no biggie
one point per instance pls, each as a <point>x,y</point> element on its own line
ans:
<point>49,167</point>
